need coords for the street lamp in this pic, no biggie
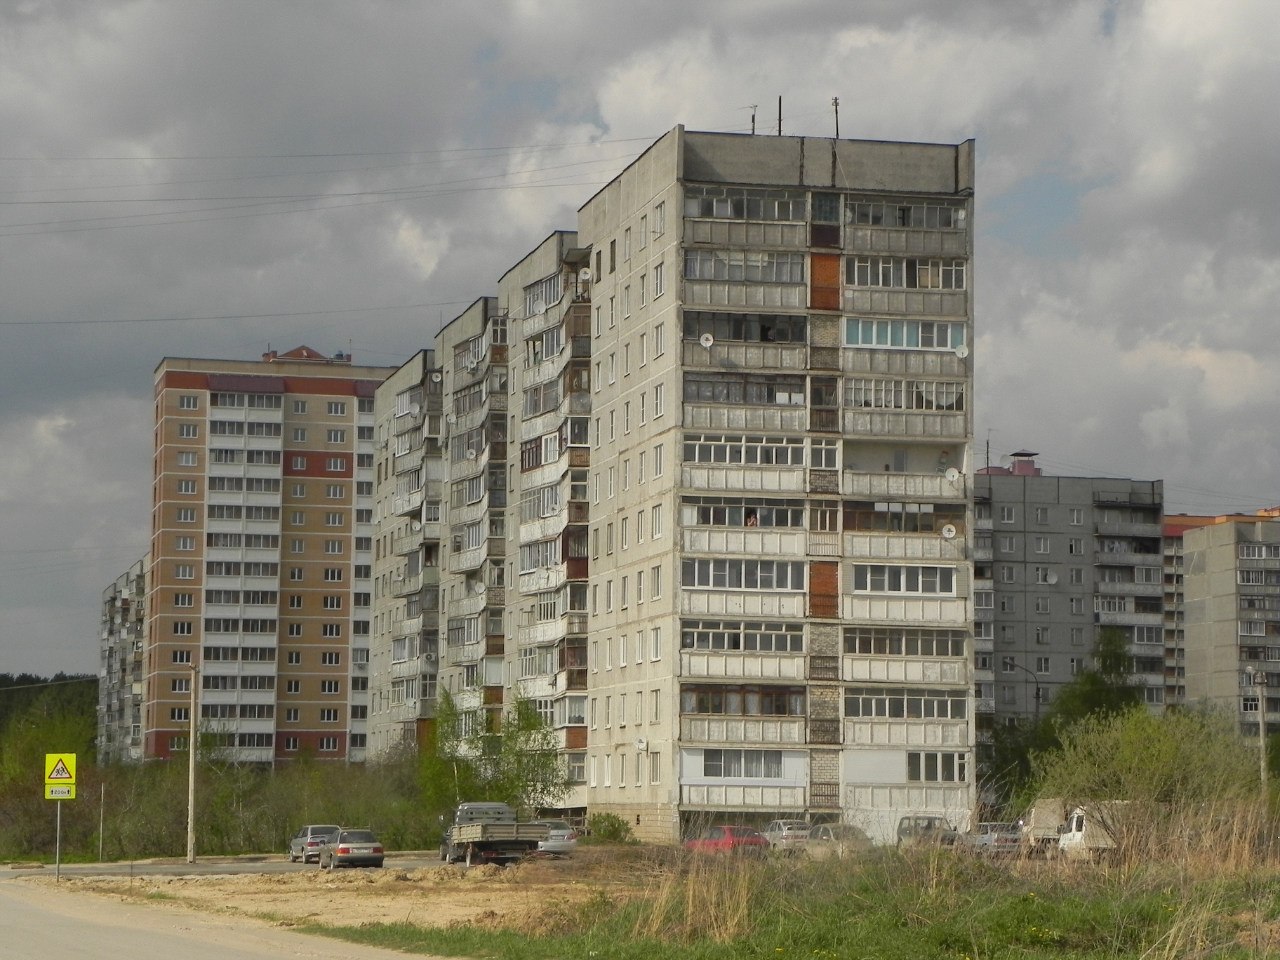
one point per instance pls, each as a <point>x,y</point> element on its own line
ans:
<point>1258,679</point>
<point>1011,662</point>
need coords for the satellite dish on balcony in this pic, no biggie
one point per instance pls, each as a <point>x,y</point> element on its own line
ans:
<point>707,340</point>
<point>478,587</point>
<point>1051,578</point>
<point>435,377</point>
<point>472,454</point>
<point>584,273</point>
<point>962,351</point>
<point>952,475</point>
<point>948,531</point>
<point>417,525</point>
<point>642,745</point>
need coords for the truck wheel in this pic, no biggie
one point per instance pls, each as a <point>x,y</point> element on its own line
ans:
<point>444,853</point>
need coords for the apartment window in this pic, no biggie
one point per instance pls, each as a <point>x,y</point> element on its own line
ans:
<point>293,686</point>
<point>328,745</point>
<point>1042,544</point>
<point>333,602</point>
<point>1042,664</point>
<point>1007,573</point>
<point>655,521</point>
<point>1076,516</point>
<point>336,436</point>
<point>329,686</point>
<point>1077,636</point>
<point>941,767</point>
<point>187,486</point>
<point>659,218</point>
<point>295,601</point>
<point>335,464</point>
<point>328,715</point>
<point>184,600</point>
<point>332,547</point>
<point>331,630</point>
<point>655,583</point>
<point>184,571</point>
<point>1006,515</point>
<point>659,281</point>
<point>294,630</point>
<point>188,401</point>
<point>1042,604</point>
<point>182,628</point>
<point>1077,605</point>
<point>336,408</point>
<point>188,431</point>
<point>188,458</point>
<point>1042,514</point>
<point>299,434</point>
<point>182,657</point>
<point>333,519</point>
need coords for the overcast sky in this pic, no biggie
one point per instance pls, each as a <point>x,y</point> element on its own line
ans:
<point>218,177</point>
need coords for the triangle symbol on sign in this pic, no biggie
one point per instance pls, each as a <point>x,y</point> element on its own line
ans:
<point>60,771</point>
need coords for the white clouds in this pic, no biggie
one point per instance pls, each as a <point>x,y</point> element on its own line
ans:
<point>411,242</point>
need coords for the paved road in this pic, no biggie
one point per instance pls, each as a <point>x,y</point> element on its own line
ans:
<point>39,922</point>
<point>203,866</point>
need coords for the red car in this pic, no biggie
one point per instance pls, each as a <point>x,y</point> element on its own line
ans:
<point>727,839</point>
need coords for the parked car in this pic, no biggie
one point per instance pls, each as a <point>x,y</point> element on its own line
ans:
<point>787,836</point>
<point>305,844</point>
<point>562,838</point>
<point>350,848</point>
<point>728,839</point>
<point>923,830</point>
<point>996,839</point>
<point>836,841</point>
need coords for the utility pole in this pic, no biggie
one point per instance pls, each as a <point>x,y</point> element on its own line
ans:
<point>835,103</point>
<point>191,767</point>
<point>1017,666</point>
<point>1258,678</point>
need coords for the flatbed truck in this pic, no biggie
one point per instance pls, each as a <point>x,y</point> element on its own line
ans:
<point>489,833</point>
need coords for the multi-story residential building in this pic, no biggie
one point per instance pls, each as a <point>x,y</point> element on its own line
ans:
<point>261,558</point>
<point>404,647</point>
<point>1232,600</point>
<point>780,417</point>
<point>1175,651</point>
<point>1058,559</point>
<point>472,352</point>
<point>547,297</point>
<point>120,677</point>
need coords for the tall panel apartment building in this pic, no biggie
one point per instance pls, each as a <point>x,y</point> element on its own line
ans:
<point>1057,560</point>
<point>404,648</point>
<point>780,429</point>
<point>120,676</point>
<point>1232,600</point>
<point>472,352</point>
<point>547,296</point>
<point>261,555</point>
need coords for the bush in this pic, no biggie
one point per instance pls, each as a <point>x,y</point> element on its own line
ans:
<point>608,828</point>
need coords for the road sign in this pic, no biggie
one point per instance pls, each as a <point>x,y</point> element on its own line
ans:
<point>59,776</point>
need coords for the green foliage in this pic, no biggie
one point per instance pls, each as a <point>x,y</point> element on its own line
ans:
<point>518,763</point>
<point>608,828</point>
<point>1104,689</point>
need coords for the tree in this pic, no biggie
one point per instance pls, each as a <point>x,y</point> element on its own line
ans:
<point>518,761</point>
<point>1183,776</point>
<point>1103,689</point>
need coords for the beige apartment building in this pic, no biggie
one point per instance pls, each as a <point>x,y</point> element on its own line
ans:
<point>1231,589</point>
<point>779,571</point>
<point>404,647</point>
<point>260,580</point>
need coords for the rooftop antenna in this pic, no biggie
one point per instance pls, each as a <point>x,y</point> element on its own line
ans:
<point>835,103</point>
<point>779,115</point>
<point>753,118</point>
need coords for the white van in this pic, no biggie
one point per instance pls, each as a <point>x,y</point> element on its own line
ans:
<point>1087,834</point>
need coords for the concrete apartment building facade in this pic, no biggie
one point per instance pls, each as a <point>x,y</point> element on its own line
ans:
<point>779,577</point>
<point>1232,598</point>
<point>120,675</point>
<point>260,579</point>
<point>1059,559</point>
<point>404,649</point>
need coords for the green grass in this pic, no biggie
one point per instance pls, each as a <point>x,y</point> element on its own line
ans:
<point>927,905</point>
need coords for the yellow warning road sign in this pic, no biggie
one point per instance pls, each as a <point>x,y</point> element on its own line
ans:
<point>59,776</point>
